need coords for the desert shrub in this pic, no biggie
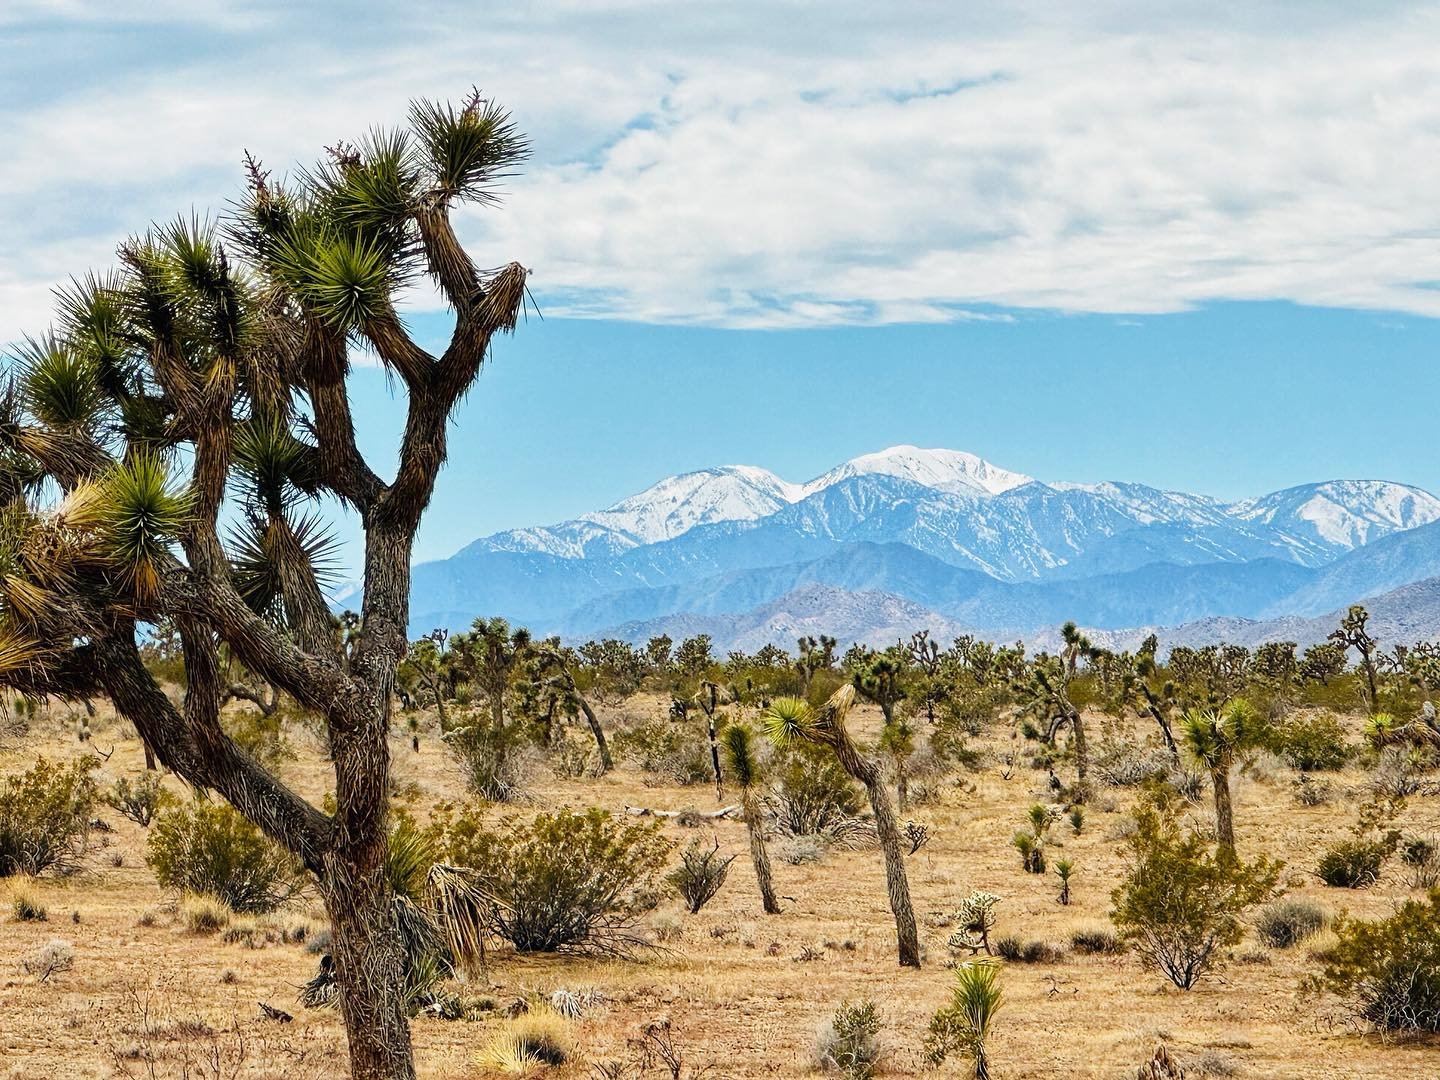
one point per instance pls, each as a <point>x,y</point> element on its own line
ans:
<point>799,850</point>
<point>496,761</point>
<point>1180,902</point>
<point>701,873</point>
<point>1314,743</point>
<point>1387,972</point>
<point>45,818</point>
<point>566,880</point>
<point>1096,941</point>
<point>813,795</point>
<point>1125,764</point>
<point>139,801</point>
<point>1285,923</point>
<point>209,848</point>
<point>849,1042</point>
<point>1312,792</point>
<point>1398,773</point>
<point>205,914</point>
<point>1190,784</point>
<point>1421,856</point>
<point>1355,864</point>
<point>261,736</point>
<point>51,958</point>
<point>672,752</point>
<point>1011,948</point>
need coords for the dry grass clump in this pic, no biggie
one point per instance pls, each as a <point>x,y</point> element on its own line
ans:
<point>529,1042</point>
<point>205,914</point>
<point>25,904</point>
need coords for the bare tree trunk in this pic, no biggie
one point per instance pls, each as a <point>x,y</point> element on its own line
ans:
<point>715,758</point>
<point>1224,809</point>
<point>1170,743</point>
<point>897,883</point>
<point>606,762</point>
<point>755,826</point>
<point>1082,755</point>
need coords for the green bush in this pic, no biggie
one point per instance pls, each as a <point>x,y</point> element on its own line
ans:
<point>1387,972</point>
<point>849,1042</point>
<point>1355,864</point>
<point>1286,923</point>
<point>562,881</point>
<point>261,736</point>
<point>813,795</point>
<point>1181,901</point>
<point>1312,743</point>
<point>45,818</point>
<point>496,761</point>
<point>671,751</point>
<point>138,801</point>
<point>701,873</point>
<point>210,849</point>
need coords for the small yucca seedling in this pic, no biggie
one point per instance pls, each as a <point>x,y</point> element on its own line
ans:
<point>1032,852</point>
<point>1077,818</point>
<point>1064,869</point>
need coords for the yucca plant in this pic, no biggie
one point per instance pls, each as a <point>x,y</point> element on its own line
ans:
<point>745,769</point>
<point>789,720</point>
<point>205,381</point>
<point>1064,870</point>
<point>963,1025</point>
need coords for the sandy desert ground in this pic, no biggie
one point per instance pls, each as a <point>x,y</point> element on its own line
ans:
<point>744,993</point>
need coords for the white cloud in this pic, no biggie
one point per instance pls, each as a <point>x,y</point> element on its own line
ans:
<point>807,164</point>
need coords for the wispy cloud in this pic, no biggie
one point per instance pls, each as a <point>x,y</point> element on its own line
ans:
<point>783,165</point>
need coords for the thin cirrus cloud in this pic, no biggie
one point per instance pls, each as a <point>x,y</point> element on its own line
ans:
<point>765,165</point>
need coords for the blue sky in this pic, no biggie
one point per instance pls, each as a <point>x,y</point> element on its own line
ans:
<point>1119,239</point>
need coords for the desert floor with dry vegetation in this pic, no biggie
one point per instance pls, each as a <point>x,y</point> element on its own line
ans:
<point>745,993</point>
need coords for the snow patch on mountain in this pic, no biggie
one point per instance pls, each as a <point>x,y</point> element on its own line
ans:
<point>952,471</point>
<point>1342,513</point>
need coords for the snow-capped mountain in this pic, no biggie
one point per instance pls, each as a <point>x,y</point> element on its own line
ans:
<point>952,471</point>
<point>1116,552</point>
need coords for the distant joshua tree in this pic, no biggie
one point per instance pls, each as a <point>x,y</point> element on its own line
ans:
<point>745,768</point>
<point>1214,738</point>
<point>789,720</point>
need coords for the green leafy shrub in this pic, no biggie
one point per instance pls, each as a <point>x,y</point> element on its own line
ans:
<point>813,795</point>
<point>45,818</point>
<point>208,848</point>
<point>849,1042</point>
<point>1387,972</point>
<point>561,881</point>
<point>496,761</point>
<point>668,751</point>
<point>1355,864</point>
<point>701,873</point>
<point>261,736</point>
<point>139,801</point>
<point>1421,856</point>
<point>1285,923</point>
<point>1180,902</point>
<point>1315,743</point>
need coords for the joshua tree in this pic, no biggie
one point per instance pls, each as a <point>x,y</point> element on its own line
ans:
<point>1213,738</point>
<point>815,655</point>
<point>562,662</point>
<point>423,666</point>
<point>1353,633</point>
<point>791,719</point>
<point>879,680</point>
<point>486,658</point>
<point>710,697</point>
<point>222,353</point>
<point>745,769</point>
<point>1043,689</point>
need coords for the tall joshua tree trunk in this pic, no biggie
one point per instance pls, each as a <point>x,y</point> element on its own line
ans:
<point>1224,808</point>
<point>759,855</point>
<point>593,722</point>
<point>897,883</point>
